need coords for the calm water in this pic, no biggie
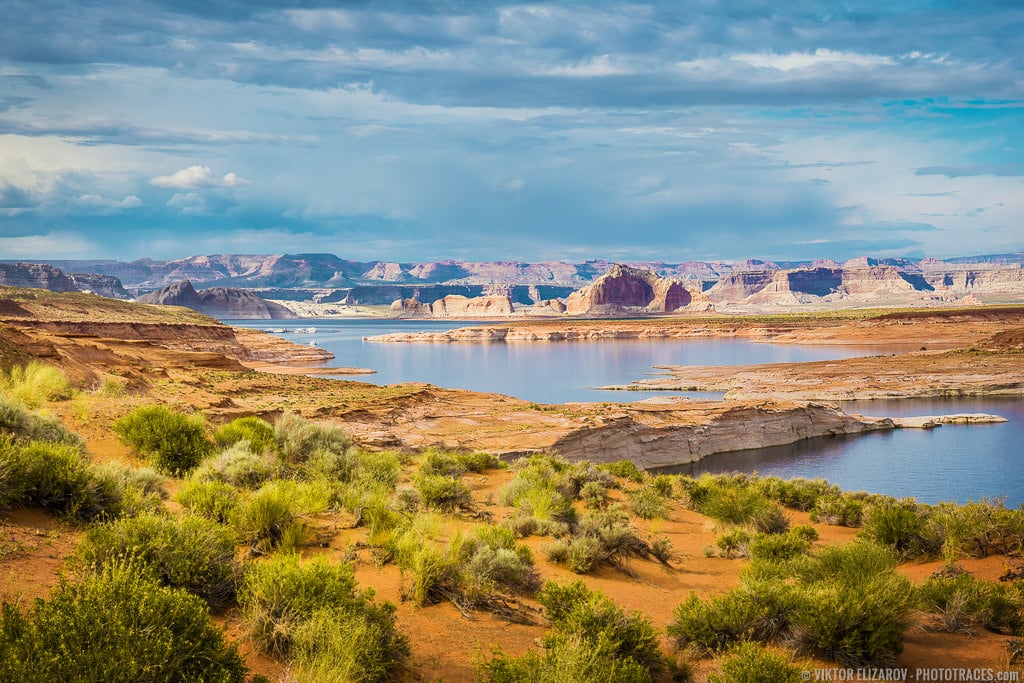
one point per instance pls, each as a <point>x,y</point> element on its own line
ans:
<point>554,372</point>
<point>953,462</point>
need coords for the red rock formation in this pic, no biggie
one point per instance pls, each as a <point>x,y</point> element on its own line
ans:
<point>219,302</point>
<point>631,290</point>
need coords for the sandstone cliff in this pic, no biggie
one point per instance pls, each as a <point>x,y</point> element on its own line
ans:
<point>218,302</point>
<point>624,289</point>
<point>42,276</point>
<point>454,306</point>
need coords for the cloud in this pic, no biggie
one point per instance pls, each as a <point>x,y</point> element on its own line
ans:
<point>963,170</point>
<point>198,177</point>
<point>187,202</point>
<point>50,245</point>
<point>100,202</point>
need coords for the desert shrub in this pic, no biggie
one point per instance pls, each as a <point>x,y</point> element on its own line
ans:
<point>648,502</point>
<point>733,543</point>
<point>601,538</point>
<point>591,639</point>
<point>379,468</point>
<point>753,663</point>
<point>855,625</point>
<point>595,495</point>
<point>112,387</point>
<point>455,463</point>
<point>626,469</point>
<point>26,425</point>
<point>271,517</point>
<point>712,625</point>
<point>662,551</point>
<point>236,465</point>
<point>979,528</point>
<point>60,478</point>
<point>523,524</point>
<point>298,439</point>
<point>442,492</point>
<point>853,606</point>
<point>342,644</point>
<point>282,600</point>
<point>838,509</point>
<point>780,547</point>
<point>33,384</point>
<point>117,625</point>
<point>214,500</point>
<point>176,443</point>
<point>183,551</point>
<point>257,431</point>
<point>534,490</point>
<point>904,526</point>
<point>806,532</point>
<point>799,494</point>
<point>473,571</point>
<point>962,604</point>
<point>733,501</point>
<point>127,491</point>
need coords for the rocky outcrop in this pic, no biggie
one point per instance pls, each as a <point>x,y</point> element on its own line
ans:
<point>218,302</point>
<point>454,306</point>
<point>654,435</point>
<point>43,276</point>
<point>410,308</point>
<point>859,280</point>
<point>104,285</point>
<point>632,290</point>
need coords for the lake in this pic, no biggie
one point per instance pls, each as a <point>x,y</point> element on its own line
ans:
<point>952,462</point>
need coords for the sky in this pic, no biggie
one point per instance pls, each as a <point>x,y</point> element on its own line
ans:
<point>482,130</point>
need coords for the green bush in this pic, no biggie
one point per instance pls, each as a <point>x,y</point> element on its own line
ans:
<point>298,440</point>
<point>343,644</point>
<point>962,604</point>
<point>734,501</point>
<point>838,509</point>
<point>752,663</point>
<point>442,492</point>
<point>117,625</point>
<point>601,538</point>
<point>853,606</point>
<point>283,600</point>
<point>733,543</point>
<point>26,425</point>
<point>904,526</point>
<point>183,551</point>
<point>979,529</point>
<point>238,466</point>
<point>255,430</point>
<point>176,443</point>
<point>714,624</point>
<point>780,547</point>
<point>454,463</point>
<point>648,502</point>
<point>472,571</point>
<point>799,494</point>
<point>59,477</point>
<point>626,469</point>
<point>272,516</point>
<point>595,495</point>
<point>214,500</point>
<point>33,384</point>
<point>591,639</point>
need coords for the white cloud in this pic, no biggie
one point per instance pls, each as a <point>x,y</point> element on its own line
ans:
<point>47,246</point>
<point>187,202</point>
<point>804,60</point>
<point>602,65</point>
<point>196,177</point>
<point>101,202</point>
